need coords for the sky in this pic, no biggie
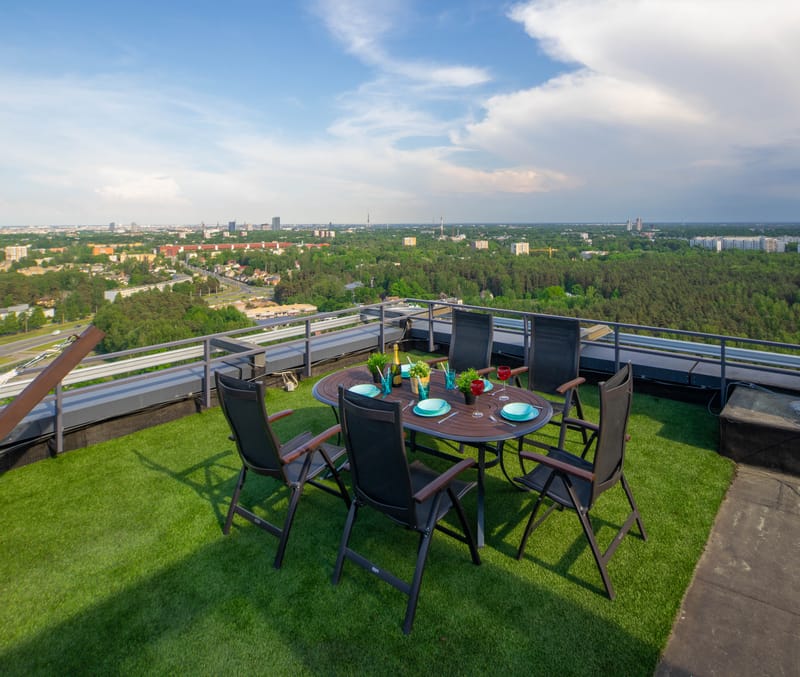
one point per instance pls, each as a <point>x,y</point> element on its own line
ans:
<point>406,111</point>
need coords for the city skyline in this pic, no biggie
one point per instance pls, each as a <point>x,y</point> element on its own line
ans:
<point>325,111</point>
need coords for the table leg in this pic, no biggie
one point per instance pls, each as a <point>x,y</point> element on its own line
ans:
<point>479,539</point>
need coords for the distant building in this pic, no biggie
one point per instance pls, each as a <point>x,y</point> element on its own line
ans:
<point>518,248</point>
<point>770,245</point>
<point>409,242</point>
<point>231,226</point>
<point>276,223</point>
<point>320,232</point>
<point>16,252</point>
<point>480,244</point>
<point>638,223</point>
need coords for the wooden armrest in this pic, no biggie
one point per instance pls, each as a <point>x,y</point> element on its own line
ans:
<point>570,385</point>
<point>516,371</point>
<point>312,444</point>
<point>555,464</point>
<point>280,414</point>
<point>485,370</point>
<point>437,360</point>
<point>443,480</point>
<point>581,423</point>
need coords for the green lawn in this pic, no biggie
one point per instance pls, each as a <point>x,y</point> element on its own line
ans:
<point>113,561</point>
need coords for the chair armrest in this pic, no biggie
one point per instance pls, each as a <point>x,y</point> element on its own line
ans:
<point>570,385</point>
<point>579,422</point>
<point>312,444</point>
<point>555,464</point>
<point>443,480</point>
<point>279,414</point>
<point>485,370</point>
<point>436,360</point>
<point>515,374</point>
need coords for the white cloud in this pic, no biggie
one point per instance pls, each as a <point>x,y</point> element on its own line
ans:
<point>361,26</point>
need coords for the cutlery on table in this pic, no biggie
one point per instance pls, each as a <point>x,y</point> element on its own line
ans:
<point>492,418</point>
<point>441,420</point>
<point>410,402</point>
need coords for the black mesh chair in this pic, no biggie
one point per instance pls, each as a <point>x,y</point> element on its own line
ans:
<point>411,495</point>
<point>553,366</point>
<point>572,482</point>
<point>302,459</point>
<point>471,340</point>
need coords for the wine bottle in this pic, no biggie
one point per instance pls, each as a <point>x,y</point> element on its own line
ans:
<point>397,375</point>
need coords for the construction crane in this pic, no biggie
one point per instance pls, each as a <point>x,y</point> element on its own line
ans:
<point>549,251</point>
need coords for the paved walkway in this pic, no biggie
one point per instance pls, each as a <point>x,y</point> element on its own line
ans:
<point>741,613</point>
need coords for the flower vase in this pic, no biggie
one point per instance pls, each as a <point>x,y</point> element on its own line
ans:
<point>376,376</point>
<point>469,397</point>
<point>414,383</point>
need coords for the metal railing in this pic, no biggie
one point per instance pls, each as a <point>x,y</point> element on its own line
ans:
<point>122,369</point>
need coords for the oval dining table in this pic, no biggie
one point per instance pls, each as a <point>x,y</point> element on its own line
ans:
<point>486,433</point>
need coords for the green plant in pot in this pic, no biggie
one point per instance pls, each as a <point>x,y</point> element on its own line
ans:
<point>463,382</point>
<point>419,371</point>
<point>376,363</point>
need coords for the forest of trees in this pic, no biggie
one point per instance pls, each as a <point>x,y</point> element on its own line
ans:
<point>657,281</point>
<point>740,293</point>
<point>152,317</point>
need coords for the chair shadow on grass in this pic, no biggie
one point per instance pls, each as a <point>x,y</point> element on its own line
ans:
<point>262,492</point>
<point>222,608</point>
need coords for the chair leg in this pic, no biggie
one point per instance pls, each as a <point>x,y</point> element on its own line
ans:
<point>234,501</point>
<point>583,516</point>
<point>532,523</point>
<point>294,501</point>
<point>473,549</point>
<point>348,529</point>
<point>634,507</point>
<point>422,555</point>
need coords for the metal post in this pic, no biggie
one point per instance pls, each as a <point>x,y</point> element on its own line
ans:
<point>723,387</point>
<point>430,328</point>
<point>308,349</point>
<point>206,373</point>
<point>59,418</point>
<point>616,348</point>
<point>382,335</point>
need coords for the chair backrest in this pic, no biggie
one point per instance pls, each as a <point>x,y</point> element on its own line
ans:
<point>616,396</point>
<point>471,340</point>
<point>373,434</point>
<point>554,356</point>
<point>242,403</point>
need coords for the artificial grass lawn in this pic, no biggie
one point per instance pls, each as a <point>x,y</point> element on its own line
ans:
<point>113,561</point>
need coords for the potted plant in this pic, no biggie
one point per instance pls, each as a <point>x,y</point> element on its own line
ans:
<point>376,363</point>
<point>419,370</point>
<point>464,381</point>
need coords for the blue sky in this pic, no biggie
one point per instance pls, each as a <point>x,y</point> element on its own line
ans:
<point>410,110</point>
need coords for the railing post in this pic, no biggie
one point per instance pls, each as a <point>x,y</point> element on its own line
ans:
<point>59,419</point>
<point>430,328</point>
<point>526,337</point>
<point>382,335</point>
<point>616,348</point>
<point>723,387</point>
<point>207,373</point>
<point>308,349</point>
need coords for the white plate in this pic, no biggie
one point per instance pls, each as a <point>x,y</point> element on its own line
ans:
<point>367,389</point>
<point>519,411</point>
<point>432,407</point>
<point>487,385</point>
<point>404,369</point>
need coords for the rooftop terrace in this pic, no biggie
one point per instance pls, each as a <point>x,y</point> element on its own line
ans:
<point>118,563</point>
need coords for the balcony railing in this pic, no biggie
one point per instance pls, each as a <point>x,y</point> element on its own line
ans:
<point>107,386</point>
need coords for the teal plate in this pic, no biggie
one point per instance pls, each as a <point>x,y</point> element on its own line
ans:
<point>365,389</point>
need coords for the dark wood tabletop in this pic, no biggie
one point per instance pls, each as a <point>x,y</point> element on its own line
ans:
<point>460,427</point>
